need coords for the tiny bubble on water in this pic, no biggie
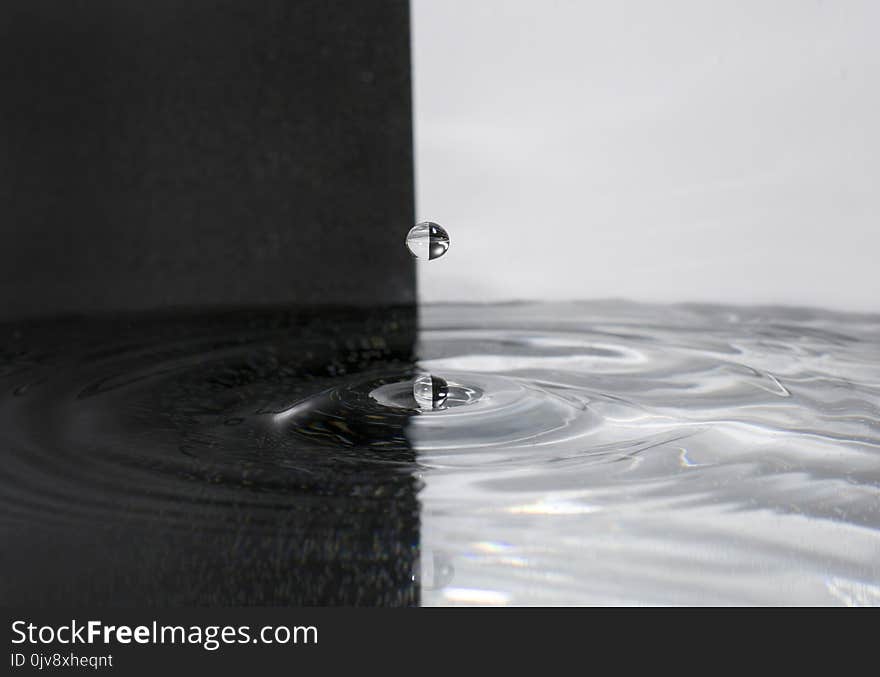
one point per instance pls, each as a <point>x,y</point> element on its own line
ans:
<point>430,392</point>
<point>427,240</point>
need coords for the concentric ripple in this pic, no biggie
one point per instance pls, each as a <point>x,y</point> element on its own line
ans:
<point>483,411</point>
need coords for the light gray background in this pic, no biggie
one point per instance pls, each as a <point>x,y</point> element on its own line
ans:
<point>665,151</point>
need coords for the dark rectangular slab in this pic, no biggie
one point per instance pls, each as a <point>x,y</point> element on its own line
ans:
<point>203,153</point>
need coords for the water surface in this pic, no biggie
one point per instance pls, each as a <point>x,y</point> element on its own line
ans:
<point>597,453</point>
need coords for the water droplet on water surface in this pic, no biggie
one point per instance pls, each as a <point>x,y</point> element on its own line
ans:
<point>430,392</point>
<point>423,394</point>
<point>427,240</point>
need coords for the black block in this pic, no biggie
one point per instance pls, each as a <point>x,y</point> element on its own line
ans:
<point>181,153</point>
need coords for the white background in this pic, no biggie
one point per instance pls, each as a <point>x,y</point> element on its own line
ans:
<point>721,151</point>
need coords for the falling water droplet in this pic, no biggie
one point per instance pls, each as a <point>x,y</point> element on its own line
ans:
<point>430,392</point>
<point>427,240</point>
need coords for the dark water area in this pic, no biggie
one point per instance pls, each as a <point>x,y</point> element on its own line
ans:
<point>143,463</point>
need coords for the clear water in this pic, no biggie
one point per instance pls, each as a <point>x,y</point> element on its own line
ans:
<point>590,453</point>
<point>427,240</point>
<point>653,455</point>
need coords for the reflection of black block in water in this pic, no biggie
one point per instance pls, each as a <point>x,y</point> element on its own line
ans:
<point>143,464</point>
<point>192,153</point>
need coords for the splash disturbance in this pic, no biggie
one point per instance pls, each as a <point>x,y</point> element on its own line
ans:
<point>577,453</point>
